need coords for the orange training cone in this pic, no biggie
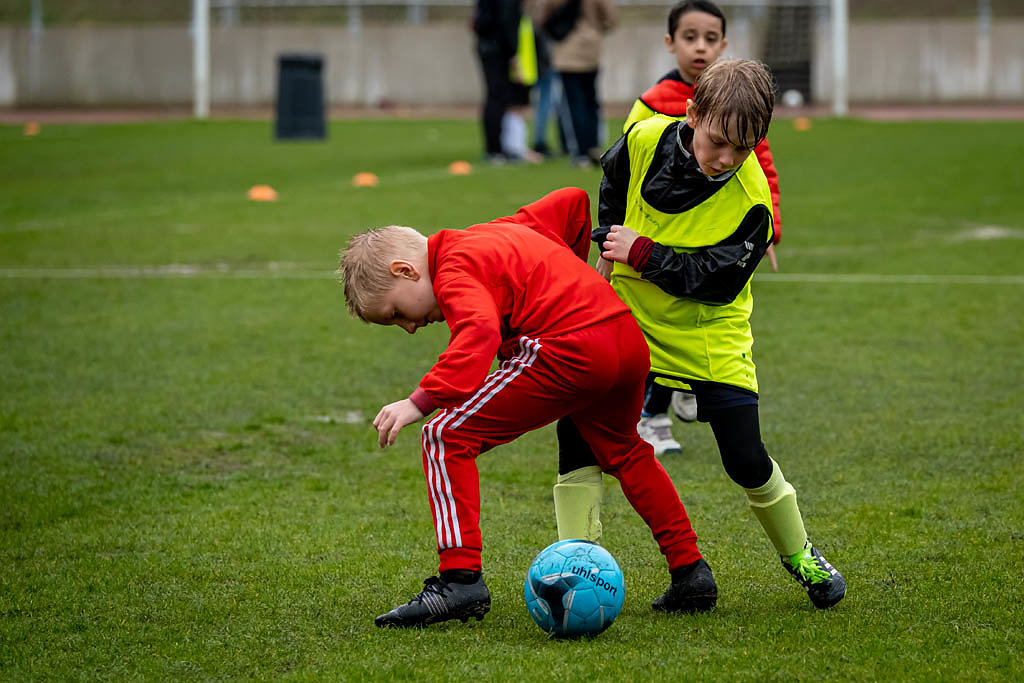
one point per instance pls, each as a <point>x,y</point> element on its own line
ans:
<point>460,168</point>
<point>364,180</point>
<point>262,193</point>
<point>802,123</point>
<point>32,128</point>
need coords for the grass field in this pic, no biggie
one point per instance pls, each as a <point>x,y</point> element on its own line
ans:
<point>190,488</point>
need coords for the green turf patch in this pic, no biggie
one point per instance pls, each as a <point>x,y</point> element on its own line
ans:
<point>190,488</point>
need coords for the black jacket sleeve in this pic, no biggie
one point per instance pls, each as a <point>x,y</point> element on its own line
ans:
<point>713,275</point>
<point>611,204</point>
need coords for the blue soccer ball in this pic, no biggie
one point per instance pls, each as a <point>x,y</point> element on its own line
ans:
<point>574,588</point>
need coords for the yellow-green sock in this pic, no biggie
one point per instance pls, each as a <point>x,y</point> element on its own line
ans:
<point>578,504</point>
<point>774,505</point>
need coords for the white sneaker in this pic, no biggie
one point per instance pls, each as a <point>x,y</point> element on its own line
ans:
<point>657,431</point>
<point>684,405</point>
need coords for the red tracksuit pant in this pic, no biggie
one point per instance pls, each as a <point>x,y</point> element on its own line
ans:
<point>596,377</point>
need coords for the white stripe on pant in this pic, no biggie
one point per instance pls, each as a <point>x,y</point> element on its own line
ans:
<point>446,518</point>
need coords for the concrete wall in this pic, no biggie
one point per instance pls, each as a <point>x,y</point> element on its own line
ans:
<point>918,61</point>
<point>926,61</point>
<point>97,66</point>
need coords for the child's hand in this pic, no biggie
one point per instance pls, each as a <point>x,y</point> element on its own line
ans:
<point>618,243</point>
<point>604,268</point>
<point>772,259</point>
<point>515,70</point>
<point>392,418</point>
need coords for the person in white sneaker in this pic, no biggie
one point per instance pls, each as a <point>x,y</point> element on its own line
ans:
<point>655,427</point>
<point>657,431</point>
<point>684,405</point>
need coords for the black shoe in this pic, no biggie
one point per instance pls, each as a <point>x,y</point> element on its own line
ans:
<point>693,589</point>
<point>825,586</point>
<point>440,601</point>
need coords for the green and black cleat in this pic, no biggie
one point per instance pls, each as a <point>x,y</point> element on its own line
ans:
<point>440,601</point>
<point>825,586</point>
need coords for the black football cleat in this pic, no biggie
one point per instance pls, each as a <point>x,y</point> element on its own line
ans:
<point>825,586</point>
<point>693,589</point>
<point>440,601</point>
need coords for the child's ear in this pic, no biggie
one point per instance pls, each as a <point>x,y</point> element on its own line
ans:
<point>691,114</point>
<point>403,269</point>
<point>668,44</point>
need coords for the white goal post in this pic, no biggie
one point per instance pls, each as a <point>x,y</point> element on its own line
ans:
<point>201,58</point>
<point>840,58</point>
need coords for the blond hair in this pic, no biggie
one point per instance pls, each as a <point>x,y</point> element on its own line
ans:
<point>365,264</point>
<point>740,91</point>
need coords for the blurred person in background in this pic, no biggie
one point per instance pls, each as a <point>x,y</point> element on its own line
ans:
<point>496,25</point>
<point>548,93</point>
<point>576,57</point>
<point>524,74</point>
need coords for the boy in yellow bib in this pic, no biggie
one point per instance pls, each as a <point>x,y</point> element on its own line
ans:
<point>686,216</point>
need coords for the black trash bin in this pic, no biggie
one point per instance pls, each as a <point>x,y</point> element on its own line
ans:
<point>300,97</point>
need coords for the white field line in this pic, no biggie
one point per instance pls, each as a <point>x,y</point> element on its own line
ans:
<point>972,232</point>
<point>880,279</point>
<point>299,271</point>
<point>267,271</point>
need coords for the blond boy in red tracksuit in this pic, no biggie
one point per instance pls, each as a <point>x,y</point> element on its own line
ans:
<point>518,288</point>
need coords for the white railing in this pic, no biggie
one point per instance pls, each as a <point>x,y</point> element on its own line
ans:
<point>229,15</point>
<point>229,10</point>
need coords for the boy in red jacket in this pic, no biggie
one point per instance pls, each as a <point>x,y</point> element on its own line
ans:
<point>518,288</point>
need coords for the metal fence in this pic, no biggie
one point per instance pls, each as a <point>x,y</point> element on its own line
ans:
<point>910,50</point>
<point>789,47</point>
<point>44,13</point>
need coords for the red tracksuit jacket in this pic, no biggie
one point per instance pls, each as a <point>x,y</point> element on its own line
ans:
<point>497,281</point>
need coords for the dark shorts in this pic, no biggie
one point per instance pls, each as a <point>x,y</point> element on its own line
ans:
<point>715,396</point>
<point>519,95</point>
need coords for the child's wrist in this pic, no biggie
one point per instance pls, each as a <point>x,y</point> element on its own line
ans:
<point>640,252</point>
<point>422,400</point>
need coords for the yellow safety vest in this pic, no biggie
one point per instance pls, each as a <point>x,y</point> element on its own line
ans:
<point>639,112</point>
<point>526,53</point>
<point>687,339</point>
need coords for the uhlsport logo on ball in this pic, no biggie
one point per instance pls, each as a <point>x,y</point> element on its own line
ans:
<point>574,588</point>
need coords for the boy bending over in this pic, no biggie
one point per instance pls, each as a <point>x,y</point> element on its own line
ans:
<point>518,288</point>
<point>689,216</point>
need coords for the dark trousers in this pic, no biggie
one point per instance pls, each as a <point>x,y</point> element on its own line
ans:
<point>580,92</point>
<point>737,430</point>
<point>657,397</point>
<point>498,92</point>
